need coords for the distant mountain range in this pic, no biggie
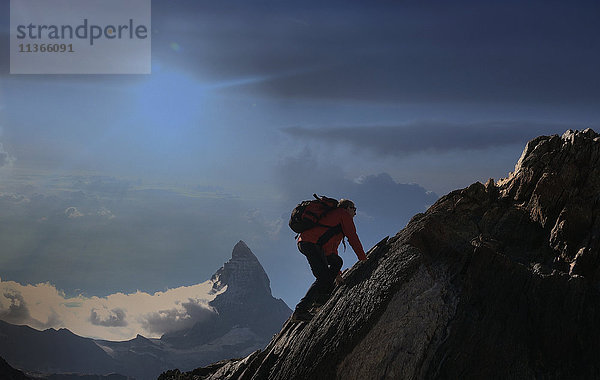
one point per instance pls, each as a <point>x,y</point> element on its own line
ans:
<point>246,319</point>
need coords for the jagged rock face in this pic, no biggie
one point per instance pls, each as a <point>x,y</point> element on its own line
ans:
<point>493,281</point>
<point>248,301</point>
<point>558,180</point>
<point>243,275</point>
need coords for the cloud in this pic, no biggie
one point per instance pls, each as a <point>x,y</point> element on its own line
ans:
<point>117,316</point>
<point>302,175</point>
<point>5,158</point>
<point>14,307</point>
<point>407,52</point>
<point>73,213</point>
<point>108,318</point>
<point>180,318</point>
<point>384,205</point>
<point>106,213</point>
<point>102,185</point>
<point>272,227</point>
<point>403,140</point>
<point>11,198</point>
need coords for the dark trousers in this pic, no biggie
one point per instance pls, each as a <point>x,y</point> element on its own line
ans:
<point>324,268</point>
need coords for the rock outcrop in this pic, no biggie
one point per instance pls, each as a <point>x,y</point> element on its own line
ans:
<point>494,281</point>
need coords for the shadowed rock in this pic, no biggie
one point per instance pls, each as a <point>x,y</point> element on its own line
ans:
<point>494,281</point>
<point>9,373</point>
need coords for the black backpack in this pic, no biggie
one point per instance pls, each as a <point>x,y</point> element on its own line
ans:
<point>307,214</point>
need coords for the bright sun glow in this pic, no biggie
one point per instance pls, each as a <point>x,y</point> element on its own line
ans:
<point>169,99</point>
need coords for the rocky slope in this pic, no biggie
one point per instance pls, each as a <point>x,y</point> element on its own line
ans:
<point>494,281</point>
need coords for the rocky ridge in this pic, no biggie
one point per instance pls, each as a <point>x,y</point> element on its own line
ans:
<point>494,281</point>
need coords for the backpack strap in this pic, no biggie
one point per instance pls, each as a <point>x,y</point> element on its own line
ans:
<point>331,232</point>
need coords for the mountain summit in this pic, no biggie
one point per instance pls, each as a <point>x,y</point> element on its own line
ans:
<point>242,274</point>
<point>494,281</point>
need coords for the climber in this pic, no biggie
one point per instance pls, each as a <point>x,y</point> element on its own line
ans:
<point>320,244</point>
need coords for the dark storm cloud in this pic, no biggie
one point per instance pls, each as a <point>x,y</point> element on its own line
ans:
<point>108,318</point>
<point>418,52</point>
<point>430,136</point>
<point>177,319</point>
<point>533,51</point>
<point>301,175</point>
<point>17,312</point>
<point>381,196</point>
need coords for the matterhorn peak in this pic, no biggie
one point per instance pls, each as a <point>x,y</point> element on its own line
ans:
<point>242,274</point>
<point>242,252</point>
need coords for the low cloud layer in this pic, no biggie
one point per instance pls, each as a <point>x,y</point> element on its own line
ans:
<point>438,137</point>
<point>5,158</point>
<point>118,316</point>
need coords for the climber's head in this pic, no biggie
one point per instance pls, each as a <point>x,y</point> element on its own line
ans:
<point>347,205</point>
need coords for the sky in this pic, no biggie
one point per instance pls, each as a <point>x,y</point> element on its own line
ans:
<point>120,187</point>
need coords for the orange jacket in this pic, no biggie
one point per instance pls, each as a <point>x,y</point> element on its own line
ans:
<point>333,218</point>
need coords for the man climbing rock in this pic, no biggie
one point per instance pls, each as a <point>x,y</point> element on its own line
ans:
<point>320,246</point>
